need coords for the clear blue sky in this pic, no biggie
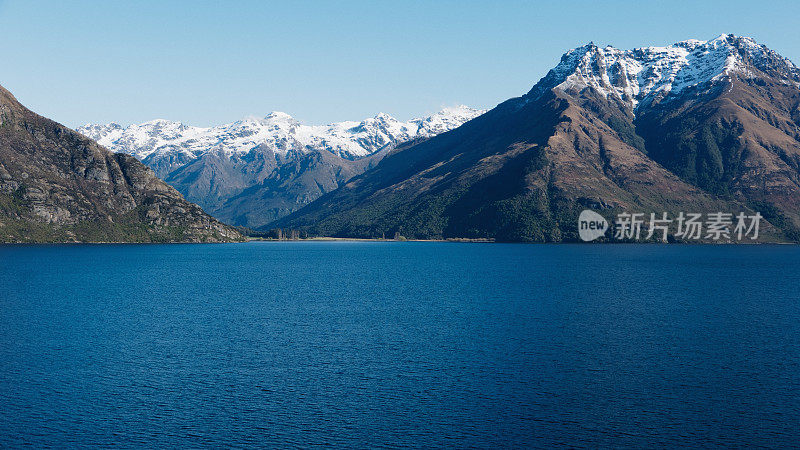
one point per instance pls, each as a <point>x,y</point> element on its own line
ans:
<point>207,63</point>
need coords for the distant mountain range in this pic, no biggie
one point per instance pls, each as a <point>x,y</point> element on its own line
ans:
<point>58,186</point>
<point>256,170</point>
<point>696,126</point>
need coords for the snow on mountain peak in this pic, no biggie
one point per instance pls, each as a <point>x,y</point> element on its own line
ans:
<point>384,117</point>
<point>277,130</point>
<point>446,119</point>
<point>278,115</point>
<point>642,75</point>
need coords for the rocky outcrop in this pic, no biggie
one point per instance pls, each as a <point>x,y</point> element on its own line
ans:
<point>58,186</point>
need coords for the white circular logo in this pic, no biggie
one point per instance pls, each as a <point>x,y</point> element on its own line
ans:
<point>591,225</point>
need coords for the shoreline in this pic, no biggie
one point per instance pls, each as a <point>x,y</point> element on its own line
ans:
<point>492,241</point>
<point>338,239</point>
<point>448,240</point>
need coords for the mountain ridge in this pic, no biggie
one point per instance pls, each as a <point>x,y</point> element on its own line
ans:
<point>648,74</point>
<point>590,134</point>
<point>253,171</point>
<point>278,130</point>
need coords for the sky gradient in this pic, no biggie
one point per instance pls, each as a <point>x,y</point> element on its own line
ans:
<point>207,63</point>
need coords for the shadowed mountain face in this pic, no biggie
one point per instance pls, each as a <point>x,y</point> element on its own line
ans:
<point>260,186</point>
<point>283,184</point>
<point>58,186</point>
<point>695,127</point>
<point>741,141</point>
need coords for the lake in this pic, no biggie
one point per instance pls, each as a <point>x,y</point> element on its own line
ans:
<point>385,344</point>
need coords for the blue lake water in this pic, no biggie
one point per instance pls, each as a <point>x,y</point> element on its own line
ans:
<point>371,344</point>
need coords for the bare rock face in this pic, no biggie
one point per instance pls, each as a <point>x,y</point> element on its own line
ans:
<point>59,186</point>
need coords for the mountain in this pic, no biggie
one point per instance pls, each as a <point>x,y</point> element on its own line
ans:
<point>253,171</point>
<point>697,126</point>
<point>58,186</point>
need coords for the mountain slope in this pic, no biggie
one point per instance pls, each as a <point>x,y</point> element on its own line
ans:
<point>586,136</point>
<point>58,186</point>
<point>283,187</point>
<point>722,114</point>
<point>511,174</point>
<point>253,171</point>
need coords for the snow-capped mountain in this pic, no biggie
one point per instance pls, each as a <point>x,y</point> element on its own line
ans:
<point>651,74</point>
<point>702,126</point>
<point>255,170</point>
<point>278,131</point>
